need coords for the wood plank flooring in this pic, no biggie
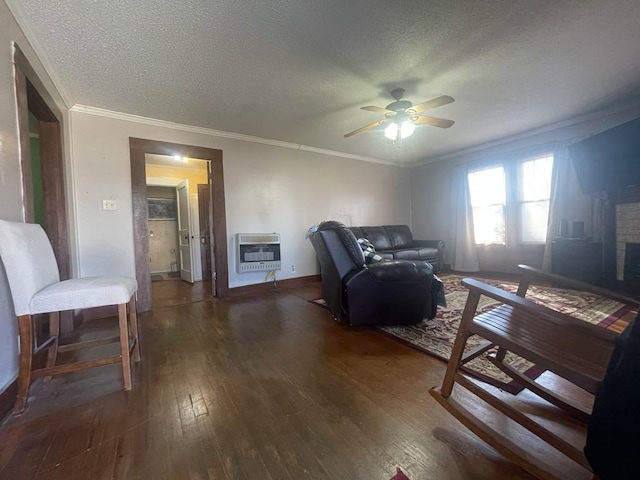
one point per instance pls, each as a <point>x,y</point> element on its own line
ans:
<point>262,387</point>
<point>173,291</point>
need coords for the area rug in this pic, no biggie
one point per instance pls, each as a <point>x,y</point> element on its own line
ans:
<point>436,336</point>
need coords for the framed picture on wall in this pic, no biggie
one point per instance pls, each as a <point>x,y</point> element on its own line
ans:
<point>161,209</point>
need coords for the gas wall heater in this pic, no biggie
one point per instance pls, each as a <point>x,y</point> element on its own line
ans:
<point>257,252</point>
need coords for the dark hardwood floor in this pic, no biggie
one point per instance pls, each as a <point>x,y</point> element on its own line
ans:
<point>173,291</point>
<point>256,387</point>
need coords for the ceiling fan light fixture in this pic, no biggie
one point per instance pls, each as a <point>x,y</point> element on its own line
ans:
<point>391,132</point>
<point>401,116</point>
<point>395,131</point>
<point>406,129</point>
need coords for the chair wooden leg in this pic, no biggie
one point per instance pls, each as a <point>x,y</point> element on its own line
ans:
<point>54,331</point>
<point>124,345</point>
<point>133,328</point>
<point>25,328</point>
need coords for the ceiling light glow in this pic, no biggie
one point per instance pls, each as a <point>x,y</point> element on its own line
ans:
<point>406,129</point>
<point>396,132</point>
<point>391,132</point>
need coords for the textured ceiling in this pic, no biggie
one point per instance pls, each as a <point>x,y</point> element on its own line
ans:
<point>298,71</point>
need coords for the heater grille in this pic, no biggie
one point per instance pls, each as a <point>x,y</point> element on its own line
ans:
<point>248,238</point>
<point>257,252</point>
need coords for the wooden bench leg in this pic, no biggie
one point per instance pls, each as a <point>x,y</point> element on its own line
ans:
<point>25,328</point>
<point>54,331</point>
<point>460,342</point>
<point>124,345</point>
<point>133,326</point>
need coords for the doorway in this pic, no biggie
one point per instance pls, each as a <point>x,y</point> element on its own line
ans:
<point>140,149</point>
<point>40,125</point>
<point>177,239</point>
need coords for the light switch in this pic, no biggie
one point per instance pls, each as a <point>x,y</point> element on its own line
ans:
<point>109,205</point>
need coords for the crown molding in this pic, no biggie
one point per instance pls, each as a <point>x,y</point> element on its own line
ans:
<point>17,10</point>
<point>588,117</point>
<point>221,134</point>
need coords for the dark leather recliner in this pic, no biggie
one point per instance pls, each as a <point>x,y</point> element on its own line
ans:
<point>393,292</point>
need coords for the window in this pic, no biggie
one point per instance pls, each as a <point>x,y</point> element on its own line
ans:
<point>511,194</point>
<point>534,190</point>
<point>488,198</point>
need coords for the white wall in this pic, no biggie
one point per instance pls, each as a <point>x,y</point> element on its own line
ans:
<point>10,176</point>
<point>432,189</point>
<point>267,189</point>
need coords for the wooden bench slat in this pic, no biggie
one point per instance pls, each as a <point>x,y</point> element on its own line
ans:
<point>569,352</point>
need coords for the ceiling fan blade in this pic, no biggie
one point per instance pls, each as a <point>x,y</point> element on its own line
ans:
<point>433,103</point>
<point>433,121</point>
<point>366,127</point>
<point>377,109</point>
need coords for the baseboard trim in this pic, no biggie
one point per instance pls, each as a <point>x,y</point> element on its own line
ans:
<point>269,287</point>
<point>8,398</point>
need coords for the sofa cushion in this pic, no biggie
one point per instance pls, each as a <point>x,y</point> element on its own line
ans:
<point>377,236</point>
<point>399,236</point>
<point>421,253</point>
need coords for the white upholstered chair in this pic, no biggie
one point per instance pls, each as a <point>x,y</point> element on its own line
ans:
<point>36,288</point>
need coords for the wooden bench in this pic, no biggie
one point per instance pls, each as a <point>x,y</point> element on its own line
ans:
<point>570,348</point>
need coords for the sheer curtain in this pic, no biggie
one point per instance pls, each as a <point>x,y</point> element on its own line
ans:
<point>465,253</point>
<point>567,202</point>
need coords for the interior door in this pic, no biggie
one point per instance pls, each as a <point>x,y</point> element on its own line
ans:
<point>196,246</point>
<point>204,197</point>
<point>184,232</point>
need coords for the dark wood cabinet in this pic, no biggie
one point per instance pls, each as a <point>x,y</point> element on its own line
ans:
<point>578,259</point>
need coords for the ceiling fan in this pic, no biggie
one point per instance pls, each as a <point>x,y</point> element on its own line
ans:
<point>402,116</point>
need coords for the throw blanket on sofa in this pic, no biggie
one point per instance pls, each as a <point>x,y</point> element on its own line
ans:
<point>370,255</point>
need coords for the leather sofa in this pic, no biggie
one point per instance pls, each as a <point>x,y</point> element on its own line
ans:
<point>396,242</point>
<point>393,292</point>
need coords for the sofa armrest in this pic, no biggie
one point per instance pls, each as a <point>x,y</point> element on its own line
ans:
<point>440,245</point>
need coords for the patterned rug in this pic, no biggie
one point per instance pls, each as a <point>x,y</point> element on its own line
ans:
<point>436,336</point>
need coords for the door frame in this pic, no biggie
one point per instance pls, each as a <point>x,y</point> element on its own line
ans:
<point>32,96</point>
<point>138,148</point>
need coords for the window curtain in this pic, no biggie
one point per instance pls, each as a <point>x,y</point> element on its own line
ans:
<point>600,203</point>
<point>465,253</point>
<point>566,202</point>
